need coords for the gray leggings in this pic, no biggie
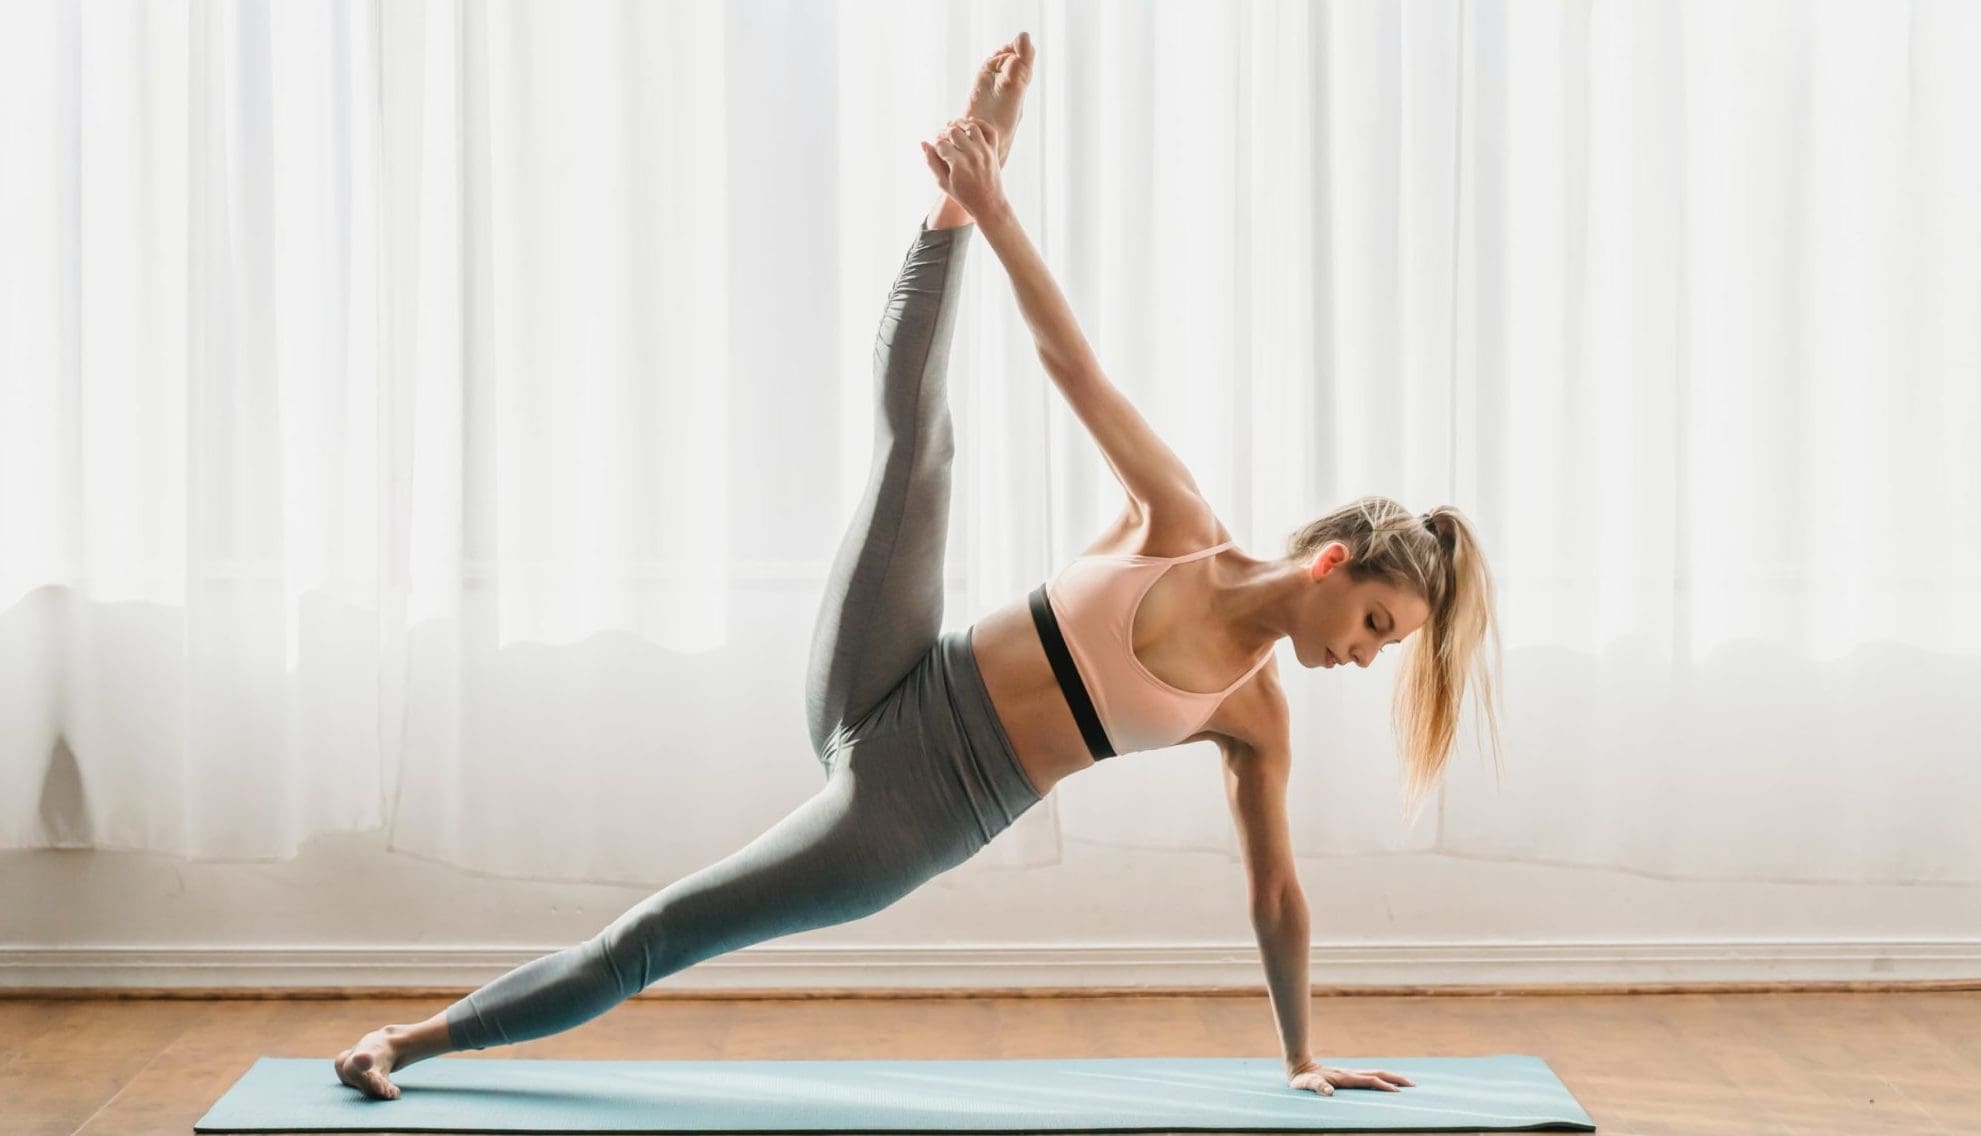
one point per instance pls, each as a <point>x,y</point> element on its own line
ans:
<point>919,774</point>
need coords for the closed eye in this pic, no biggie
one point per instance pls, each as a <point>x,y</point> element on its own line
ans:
<point>1372,626</point>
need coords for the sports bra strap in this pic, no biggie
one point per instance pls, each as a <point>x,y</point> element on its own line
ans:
<point>1201,552</point>
<point>1263,660</point>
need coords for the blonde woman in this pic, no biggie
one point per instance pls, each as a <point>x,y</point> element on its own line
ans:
<point>1161,632</point>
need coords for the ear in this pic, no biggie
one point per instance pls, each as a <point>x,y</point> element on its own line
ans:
<point>1331,556</point>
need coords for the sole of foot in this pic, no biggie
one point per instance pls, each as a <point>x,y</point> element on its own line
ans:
<point>997,95</point>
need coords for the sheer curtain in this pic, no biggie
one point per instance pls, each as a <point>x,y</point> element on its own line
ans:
<point>441,416</point>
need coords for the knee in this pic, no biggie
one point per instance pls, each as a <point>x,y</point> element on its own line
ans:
<point>635,950</point>
<point>940,445</point>
<point>669,932</point>
<point>920,448</point>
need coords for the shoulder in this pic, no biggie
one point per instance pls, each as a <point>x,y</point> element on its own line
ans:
<point>1175,524</point>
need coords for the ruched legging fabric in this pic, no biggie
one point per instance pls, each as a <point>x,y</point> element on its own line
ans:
<point>919,773</point>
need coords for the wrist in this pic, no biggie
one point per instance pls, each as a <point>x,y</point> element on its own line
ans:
<point>1299,1064</point>
<point>996,214</point>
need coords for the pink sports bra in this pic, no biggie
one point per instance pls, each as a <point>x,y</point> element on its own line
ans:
<point>1094,599</point>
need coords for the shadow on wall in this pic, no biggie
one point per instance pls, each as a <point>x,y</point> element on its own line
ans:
<point>63,816</point>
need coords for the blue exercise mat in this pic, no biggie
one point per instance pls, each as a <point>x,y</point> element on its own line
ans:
<point>1507,1092</point>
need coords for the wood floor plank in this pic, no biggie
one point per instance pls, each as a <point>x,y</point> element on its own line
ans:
<point>1810,1074</point>
<point>82,1057</point>
<point>22,1024</point>
<point>204,1061</point>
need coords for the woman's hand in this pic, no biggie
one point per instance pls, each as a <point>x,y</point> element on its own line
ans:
<point>964,161</point>
<point>1318,1078</point>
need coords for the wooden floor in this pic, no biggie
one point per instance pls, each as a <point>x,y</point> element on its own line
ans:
<point>1683,1064</point>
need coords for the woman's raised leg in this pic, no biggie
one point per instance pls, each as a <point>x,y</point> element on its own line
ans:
<point>882,607</point>
<point>883,600</point>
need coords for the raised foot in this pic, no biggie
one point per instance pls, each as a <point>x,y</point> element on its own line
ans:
<point>997,95</point>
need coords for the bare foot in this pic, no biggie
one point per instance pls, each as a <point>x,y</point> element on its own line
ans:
<point>998,93</point>
<point>365,1065</point>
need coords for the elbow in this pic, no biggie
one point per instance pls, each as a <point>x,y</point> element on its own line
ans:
<point>1070,365</point>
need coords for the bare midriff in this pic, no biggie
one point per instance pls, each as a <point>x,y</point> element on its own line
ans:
<point>1027,697</point>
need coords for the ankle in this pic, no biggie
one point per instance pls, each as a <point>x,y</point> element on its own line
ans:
<point>948,214</point>
<point>420,1041</point>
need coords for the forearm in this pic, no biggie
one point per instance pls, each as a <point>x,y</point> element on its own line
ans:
<point>1062,348</point>
<point>1284,947</point>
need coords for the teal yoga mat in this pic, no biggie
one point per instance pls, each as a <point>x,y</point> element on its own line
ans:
<point>1507,1092</point>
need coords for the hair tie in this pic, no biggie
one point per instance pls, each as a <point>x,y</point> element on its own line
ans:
<point>1430,525</point>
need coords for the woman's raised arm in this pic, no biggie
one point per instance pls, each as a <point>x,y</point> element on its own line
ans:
<point>964,161</point>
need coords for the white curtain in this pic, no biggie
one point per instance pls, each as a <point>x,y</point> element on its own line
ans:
<point>441,416</point>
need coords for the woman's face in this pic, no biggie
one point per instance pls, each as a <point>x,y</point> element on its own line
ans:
<point>1348,621</point>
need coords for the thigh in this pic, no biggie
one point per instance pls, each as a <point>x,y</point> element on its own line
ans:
<point>851,849</point>
<point>882,606</point>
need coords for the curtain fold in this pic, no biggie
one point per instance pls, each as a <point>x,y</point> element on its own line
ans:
<point>441,416</point>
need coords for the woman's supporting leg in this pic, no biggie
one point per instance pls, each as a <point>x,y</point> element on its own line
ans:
<point>882,608</point>
<point>893,813</point>
<point>848,851</point>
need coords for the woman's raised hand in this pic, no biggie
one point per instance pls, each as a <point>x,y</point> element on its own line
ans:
<point>963,159</point>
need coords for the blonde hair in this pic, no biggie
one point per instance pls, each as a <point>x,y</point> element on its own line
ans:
<point>1436,556</point>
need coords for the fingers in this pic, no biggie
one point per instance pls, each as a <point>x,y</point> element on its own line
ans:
<point>969,135</point>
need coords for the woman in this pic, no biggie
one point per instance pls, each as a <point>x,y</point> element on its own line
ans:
<point>935,742</point>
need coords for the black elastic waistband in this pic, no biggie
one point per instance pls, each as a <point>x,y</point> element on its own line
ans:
<point>1068,675</point>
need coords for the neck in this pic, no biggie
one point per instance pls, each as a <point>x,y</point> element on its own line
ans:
<point>1255,600</point>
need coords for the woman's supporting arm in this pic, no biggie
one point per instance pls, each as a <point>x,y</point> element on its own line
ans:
<point>1283,945</point>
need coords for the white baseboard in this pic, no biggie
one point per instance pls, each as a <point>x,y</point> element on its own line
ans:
<point>813,969</point>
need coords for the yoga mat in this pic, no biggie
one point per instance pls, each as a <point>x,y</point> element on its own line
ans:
<point>1508,1092</point>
